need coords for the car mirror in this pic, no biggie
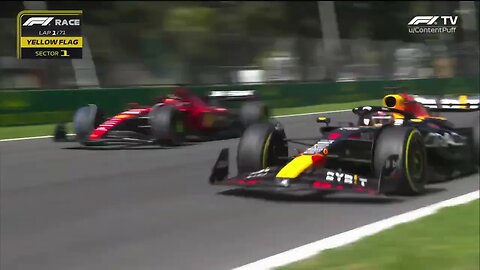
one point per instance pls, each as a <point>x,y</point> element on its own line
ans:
<point>322,119</point>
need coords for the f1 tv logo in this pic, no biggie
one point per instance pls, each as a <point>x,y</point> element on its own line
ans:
<point>430,20</point>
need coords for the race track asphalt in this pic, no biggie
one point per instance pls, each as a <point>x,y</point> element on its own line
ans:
<point>66,208</point>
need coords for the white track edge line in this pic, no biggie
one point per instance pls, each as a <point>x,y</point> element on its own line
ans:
<point>310,113</point>
<point>279,116</point>
<point>314,248</point>
<point>30,138</point>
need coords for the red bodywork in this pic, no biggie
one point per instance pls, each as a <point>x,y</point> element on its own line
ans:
<point>411,106</point>
<point>406,102</point>
<point>103,128</point>
<point>198,114</point>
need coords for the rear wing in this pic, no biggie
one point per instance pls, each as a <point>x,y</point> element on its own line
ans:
<point>449,103</point>
<point>239,95</point>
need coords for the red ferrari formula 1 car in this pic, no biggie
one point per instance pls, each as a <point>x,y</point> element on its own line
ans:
<point>171,121</point>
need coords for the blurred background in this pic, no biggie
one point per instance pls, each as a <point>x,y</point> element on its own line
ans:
<point>232,42</point>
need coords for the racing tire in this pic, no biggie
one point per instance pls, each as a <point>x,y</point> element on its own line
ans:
<point>401,152</point>
<point>476,141</point>
<point>85,120</point>
<point>470,129</point>
<point>60,133</point>
<point>260,146</point>
<point>168,125</point>
<point>253,112</point>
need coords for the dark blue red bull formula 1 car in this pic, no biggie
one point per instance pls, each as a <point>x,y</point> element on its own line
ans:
<point>172,120</point>
<point>396,148</point>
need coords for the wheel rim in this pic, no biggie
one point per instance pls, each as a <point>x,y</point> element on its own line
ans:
<point>179,126</point>
<point>415,161</point>
<point>417,165</point>
<point>264,117</point>
<point>266,152</point>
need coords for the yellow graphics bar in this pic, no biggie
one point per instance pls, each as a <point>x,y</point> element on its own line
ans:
<point>51,42</point>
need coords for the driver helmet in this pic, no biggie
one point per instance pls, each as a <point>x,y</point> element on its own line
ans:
<point>181,92</point>
<point>381,118</point>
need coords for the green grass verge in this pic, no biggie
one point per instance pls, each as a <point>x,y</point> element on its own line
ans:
<point>29,131</point>
<point>42,130</point>
<point>448,239</point>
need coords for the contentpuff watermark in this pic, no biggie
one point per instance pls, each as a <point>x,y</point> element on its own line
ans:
<point>433,24</point>
<point>432,30</point>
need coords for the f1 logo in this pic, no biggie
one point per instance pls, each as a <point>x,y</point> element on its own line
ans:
<point>43,21</point>
<point>429,20</point>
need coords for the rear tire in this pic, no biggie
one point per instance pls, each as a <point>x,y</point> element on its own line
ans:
<point>476,141</point>
<point>60,133</point>
<point>260,146</point>
<point>168,126</point>
<point>85,120</point>
<point>404,147</point>
<point>470,129</point>
<point>253,112</point>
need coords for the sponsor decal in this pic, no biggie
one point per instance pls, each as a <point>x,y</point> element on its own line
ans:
<point>260,173</point>
<point>318,147</point>
<point>398,122</point>
<point>122,116</point>
<point>345,178</point>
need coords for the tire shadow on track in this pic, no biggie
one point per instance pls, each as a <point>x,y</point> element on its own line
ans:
<point>128,147</point>
<point>322,197</point>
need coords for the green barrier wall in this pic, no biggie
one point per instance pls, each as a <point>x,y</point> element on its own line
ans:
<point>52,106</point>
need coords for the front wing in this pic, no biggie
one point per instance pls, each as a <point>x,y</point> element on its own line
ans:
<point>318,179</point>
<point>112,138</point>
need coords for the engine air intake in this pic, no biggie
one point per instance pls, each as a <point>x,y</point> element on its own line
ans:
<point>390,101</point>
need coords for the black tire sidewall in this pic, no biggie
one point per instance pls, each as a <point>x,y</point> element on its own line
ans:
<point>256,142</point>
<point>253,112</point>
<point>476,141</point>
<point>164,121</point>
<point>85,120</point>
<point>401,141</point>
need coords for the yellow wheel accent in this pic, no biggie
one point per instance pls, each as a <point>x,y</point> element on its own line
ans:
<point>265,151</point>
<point>208,119</point>
<point>407,151</point>
<point>179,126</point>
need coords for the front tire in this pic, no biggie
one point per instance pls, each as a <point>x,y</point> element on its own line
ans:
<point>253,112</point>
<point>260,146</point>
<point>168,127</point>
<point>476,141</point>
<point>400,159</point>
<point>470,129</point>
<point>85,120</point>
